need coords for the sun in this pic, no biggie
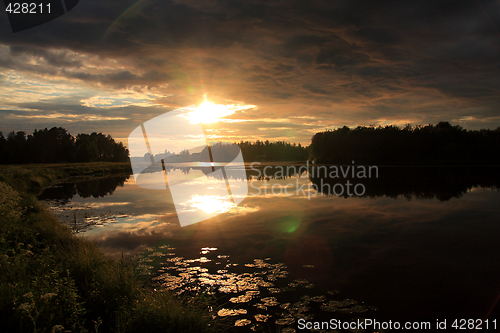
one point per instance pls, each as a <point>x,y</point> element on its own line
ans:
<point>209,112</point>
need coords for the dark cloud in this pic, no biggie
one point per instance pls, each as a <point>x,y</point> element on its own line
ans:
<point>123,78</point>
<point>57,59</point>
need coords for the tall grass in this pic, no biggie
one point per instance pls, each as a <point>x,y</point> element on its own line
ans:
<point>52,281</point>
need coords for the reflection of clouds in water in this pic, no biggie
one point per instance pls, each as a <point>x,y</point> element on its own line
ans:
<point>127,239</point>
<point>148,229</point>
<point>97,205</point>
<point>140,218</point>
<point>151,216</point>
<point>134,224</point>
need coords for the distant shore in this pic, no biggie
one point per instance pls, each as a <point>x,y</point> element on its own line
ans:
<point>33,178</point>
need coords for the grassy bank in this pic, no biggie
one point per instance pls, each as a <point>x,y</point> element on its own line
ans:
<point>52,281</point>
<point>34,177</point>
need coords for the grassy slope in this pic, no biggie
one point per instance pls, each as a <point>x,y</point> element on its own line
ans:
<point>52,280</point>
<point>34,177</point>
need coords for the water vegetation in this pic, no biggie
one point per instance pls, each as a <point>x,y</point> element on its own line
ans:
<point>53,281</point>
<point>258,296</point>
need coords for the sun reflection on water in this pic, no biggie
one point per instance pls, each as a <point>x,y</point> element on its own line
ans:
<point>211,203</point>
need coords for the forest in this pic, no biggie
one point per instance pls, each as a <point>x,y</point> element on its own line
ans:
<point>56,145</point>
<point>273,151</point>
<point>257,151</point>
<point>440,144</point>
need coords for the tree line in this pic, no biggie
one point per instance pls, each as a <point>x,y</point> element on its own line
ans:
<point>56,145</point>
<point>440,144</point>
<point>273,151</point>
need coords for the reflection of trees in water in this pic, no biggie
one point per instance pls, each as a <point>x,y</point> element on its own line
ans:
<point>100,187</point>
<point>62,192</point>
<point>266,172</point>
<point>442,183</point>
<point>158,167</point>
<point>418,183</point>
<point>95,187</point>
<point>207,171</point>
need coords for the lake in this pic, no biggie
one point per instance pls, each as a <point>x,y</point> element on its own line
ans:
<point>412,244</point>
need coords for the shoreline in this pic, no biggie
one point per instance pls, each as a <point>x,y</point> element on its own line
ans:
<point>33,178</point>
<point>55,281</point>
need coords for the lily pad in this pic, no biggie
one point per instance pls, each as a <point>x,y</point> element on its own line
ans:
<point>241,299</point>
<point>285,321</point>
<point>231,312</point>
<point>242,322</point>
<point>262,317</point>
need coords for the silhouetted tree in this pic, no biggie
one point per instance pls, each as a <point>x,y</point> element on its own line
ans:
<point>438,144</point>
<point>86,152</point>
<point>273,151</point>
<point>120,153</point>
<point>3,149</point>
<point>105,147</point>
<point>56,145</point>
<point>16,147</point>
<point>51,146</point>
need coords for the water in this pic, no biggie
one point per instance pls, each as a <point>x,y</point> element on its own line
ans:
<point>418,245</point>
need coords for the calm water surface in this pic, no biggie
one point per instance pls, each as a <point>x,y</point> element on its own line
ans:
<point>417,246</point>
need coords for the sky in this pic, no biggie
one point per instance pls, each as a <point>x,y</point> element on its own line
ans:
<point>289,69</point>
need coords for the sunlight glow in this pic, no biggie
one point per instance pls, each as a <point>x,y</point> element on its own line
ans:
<point>209,112</point>
<point>211,203</point>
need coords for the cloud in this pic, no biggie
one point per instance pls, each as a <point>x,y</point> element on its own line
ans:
<point>53,58</point>
<point>342,63</point>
